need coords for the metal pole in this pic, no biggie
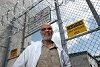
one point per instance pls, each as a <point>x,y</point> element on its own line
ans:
<point>10,28</point>
<point>60,26</point>
<point>96,16</point>
<point>23,35</point>
<point>83,34</point>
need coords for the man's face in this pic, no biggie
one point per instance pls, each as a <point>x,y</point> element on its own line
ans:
<point>46,31</point>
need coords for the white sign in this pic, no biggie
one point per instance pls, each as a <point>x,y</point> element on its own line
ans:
<point>37,20</point>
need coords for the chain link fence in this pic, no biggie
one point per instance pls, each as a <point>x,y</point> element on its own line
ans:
<point>11,27</point>
<point>75,11</point>
<point>82,49</point>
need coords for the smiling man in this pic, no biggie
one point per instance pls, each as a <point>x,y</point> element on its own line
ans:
<point>44,54</point>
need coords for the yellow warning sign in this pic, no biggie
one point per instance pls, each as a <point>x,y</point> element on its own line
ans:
<point>13,53</point>
<point>76,28</point>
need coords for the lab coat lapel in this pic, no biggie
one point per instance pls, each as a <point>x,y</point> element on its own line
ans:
<point>37,53</point>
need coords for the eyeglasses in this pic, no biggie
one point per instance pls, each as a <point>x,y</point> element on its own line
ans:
<point>43,29</point>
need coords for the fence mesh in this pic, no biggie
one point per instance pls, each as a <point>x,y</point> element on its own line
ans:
<point>75,11</point>
<point>81,49</point>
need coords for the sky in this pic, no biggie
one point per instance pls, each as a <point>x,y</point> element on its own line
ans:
<point>71,12</point>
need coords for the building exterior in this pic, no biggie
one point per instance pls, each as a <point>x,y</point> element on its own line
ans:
<point>82,59</point>
<point>98,60</point>
<point>11,36</point>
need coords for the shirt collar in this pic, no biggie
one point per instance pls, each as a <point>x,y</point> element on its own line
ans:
<point>54,45</point>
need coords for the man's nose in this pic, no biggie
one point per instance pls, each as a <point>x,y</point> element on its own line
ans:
<point>47,29</point>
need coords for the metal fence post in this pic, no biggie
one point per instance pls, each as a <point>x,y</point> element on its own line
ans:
<point>96,16</point>
<point>23,35</point>
<point>60,26</point>
<point>10,28</point>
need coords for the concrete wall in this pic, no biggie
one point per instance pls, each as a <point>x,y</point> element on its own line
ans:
<point>79,61</point>
<point>83,60</point>
<point>16,40</point>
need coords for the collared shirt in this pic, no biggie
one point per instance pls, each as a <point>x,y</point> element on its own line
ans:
<point>49,57</point>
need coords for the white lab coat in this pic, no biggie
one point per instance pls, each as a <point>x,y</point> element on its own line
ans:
<point>31,54</point>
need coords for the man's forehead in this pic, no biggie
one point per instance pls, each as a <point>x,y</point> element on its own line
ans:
<point>45,25</point>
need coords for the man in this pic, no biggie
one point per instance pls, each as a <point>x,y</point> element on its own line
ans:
<point>45,54</point>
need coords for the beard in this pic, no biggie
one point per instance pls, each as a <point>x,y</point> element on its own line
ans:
<point>47,38</point>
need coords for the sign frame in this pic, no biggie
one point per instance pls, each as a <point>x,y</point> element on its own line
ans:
<point>36,21</point>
